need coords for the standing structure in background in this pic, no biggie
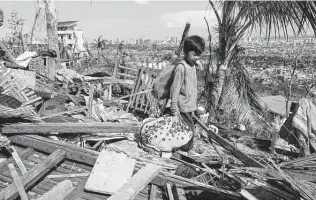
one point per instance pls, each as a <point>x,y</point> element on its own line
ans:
<point>70,35</point>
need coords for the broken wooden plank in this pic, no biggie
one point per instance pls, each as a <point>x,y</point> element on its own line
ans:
<point>23,155</point>
<point>108,167</point>
<point>59,192</point>
<point>75,193</point>
<point>244,158</point>
<point>247,195</point>
<point>18,160</point>
<point>70,128</point>
<point>108,80</point>
<point>136,88</point>
<point>68,175</point>
<point>90,101</point>
<point>49,146</point>
<point>97,144</point>
<point>31,101</point>
<point>34,174</point>
<point>169,191</point>
<point>153,192</point>
<point>17,182</point>
<point>139,181</point>
<point>180,194</point>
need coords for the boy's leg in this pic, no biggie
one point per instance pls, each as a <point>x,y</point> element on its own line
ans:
<point>187,117</point>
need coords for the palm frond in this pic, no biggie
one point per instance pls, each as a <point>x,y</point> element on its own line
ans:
<point>246,90</point>
<point>270,15</point>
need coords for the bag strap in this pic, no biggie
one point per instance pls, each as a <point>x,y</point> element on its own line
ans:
<point>182,63</point>
<point>168,100</point>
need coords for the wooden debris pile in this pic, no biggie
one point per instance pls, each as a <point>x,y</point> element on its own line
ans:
<point>72,172</point>
<point>17,98</point>
<point>48,169</point>
<point>102,164</point>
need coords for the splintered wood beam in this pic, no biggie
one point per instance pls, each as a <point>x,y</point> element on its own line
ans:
<point>247,195</point>
<point>153,192</point>
<point>34,175</point>
<point>169,191</point>
<point>90,101</point>
<point>138,182</point>
<point>58,192</point>
<point>180,194</point>
<point>23,155</point>
<point>42,128</point>
<point>68,175</point>
<point>17,182</point>
<point>77,191</point>
<point>49,146</point>
<point>18,160</point>
<point>244,158</point>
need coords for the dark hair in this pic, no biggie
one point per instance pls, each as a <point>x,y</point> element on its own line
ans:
<point>194,43</point>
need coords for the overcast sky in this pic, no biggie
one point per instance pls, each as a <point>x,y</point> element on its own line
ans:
<point>123,19</point>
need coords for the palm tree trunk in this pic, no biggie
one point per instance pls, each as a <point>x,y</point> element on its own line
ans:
<point>184,36</point>
<point>218,84</point>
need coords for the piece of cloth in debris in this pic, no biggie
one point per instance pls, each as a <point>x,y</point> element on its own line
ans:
<point>300,127</point>
<point>165,133</point>
<point>25,58</point>
<point>100,113</point>
<point>186,171</point>
<point>67,75</point>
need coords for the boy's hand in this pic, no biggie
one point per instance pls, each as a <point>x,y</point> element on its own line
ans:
<point>174,109</point>
<point>199,65</point>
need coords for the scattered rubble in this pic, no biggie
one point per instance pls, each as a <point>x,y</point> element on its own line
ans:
<point>88,145</point>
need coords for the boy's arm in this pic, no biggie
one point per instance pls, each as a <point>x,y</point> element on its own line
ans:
<point>176,87</point>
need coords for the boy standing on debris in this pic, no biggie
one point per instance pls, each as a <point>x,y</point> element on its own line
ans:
<point>183,93</point>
